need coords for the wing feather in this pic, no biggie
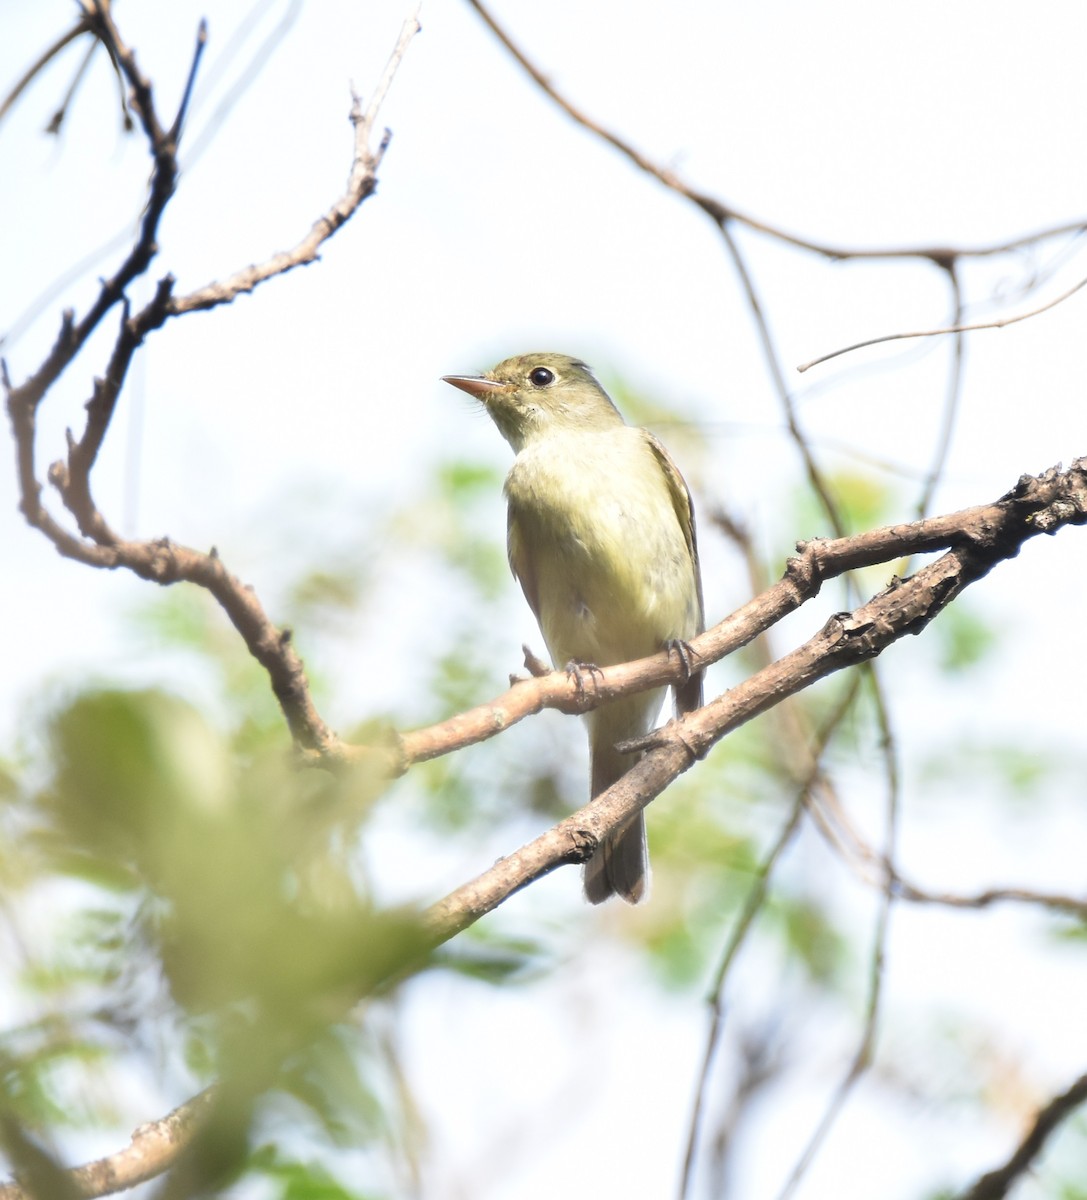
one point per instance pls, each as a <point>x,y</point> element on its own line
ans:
<point>521,561</point>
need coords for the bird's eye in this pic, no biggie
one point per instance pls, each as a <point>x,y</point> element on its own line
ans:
<point>541,377</point>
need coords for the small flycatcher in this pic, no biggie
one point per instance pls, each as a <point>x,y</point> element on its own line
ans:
<point>601,537</point>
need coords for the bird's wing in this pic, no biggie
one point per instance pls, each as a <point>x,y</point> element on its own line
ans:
<point>684,510</point>
<point>688,694</point>
<point>521,561</point>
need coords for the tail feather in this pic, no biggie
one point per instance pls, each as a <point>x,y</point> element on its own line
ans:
<point>689,694</point>
<point>620,867</point>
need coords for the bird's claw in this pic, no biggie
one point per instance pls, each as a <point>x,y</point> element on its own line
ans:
<point>684,653</point>
<point>577,672</point>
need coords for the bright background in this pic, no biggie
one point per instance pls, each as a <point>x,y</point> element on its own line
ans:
<point>499,226</point>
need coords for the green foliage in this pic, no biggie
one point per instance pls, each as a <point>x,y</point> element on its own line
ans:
<point>293,1180</point>
<point>489,954</point>
<point>225,874</point>
<point>235,855</point>
<point>186,622</point>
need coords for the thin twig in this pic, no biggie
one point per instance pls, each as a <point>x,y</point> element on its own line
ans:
<point>722,213</point>
<point>818,481</point>
<point>186,96</point>
<point>973,327</point>
<point>81,27</point>
<point>951,400</point>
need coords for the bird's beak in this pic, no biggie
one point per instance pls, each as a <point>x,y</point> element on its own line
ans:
<point>477,385</point>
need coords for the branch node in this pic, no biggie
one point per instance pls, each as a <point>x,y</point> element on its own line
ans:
<point>583,845</point>
<point>536,665</point>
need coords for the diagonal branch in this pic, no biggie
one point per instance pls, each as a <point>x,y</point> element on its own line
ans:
<point>986,534</point>
<point>995,1185</point>
<point>1034,506</point>
<point>152,1150</point>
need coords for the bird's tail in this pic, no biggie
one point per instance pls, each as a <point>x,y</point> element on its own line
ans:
<point>620,867</point>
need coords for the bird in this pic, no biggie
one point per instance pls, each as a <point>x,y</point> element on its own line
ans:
<point>601,538</point>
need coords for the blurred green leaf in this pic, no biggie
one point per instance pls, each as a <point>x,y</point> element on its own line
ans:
<point>810,937</point>
<point>295,1180</point>
<point>964,636</point>
<point>492,955</point>
<point>466,480</point>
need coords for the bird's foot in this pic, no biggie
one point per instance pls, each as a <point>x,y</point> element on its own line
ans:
<point>684,653</point>
<point>578,671</point>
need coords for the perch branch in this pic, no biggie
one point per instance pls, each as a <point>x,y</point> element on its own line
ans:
<point>985,536</point>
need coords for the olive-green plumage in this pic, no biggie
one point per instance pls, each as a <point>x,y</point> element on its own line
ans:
<point>601,537</point>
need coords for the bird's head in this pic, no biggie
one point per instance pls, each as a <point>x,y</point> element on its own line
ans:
<point>533,395</point>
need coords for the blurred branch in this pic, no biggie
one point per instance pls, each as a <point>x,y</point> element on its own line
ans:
<point>951,401</point>
<point>875,869</point>
<point>980,538</point>
<point>862,1057</point>
<point>995,1185</point>
<point>83,25</point>
<point>152,1150</point>
<point>161,560</point>
<point>752,906</point>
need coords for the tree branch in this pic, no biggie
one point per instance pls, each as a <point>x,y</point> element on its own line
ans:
<point>980,538</point>
<point>974,327</point>
<point>995,1185</point>
<point>986,534</point>
<point>722,213</point>
<point>153,1149</point>
<point>161,560</point>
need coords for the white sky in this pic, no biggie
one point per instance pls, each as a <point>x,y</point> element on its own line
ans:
<point>501,227</point>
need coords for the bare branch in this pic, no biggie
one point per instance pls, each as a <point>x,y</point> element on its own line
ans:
<point>81,27</point>
<point>153,1149</point>
<point>161,560</point>
<point>1000,323</point>
<point>1035,505</point>
<point>361,183</point>
<point>722,213</point>
<point>24,399</point>
<point>995,1185</point>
